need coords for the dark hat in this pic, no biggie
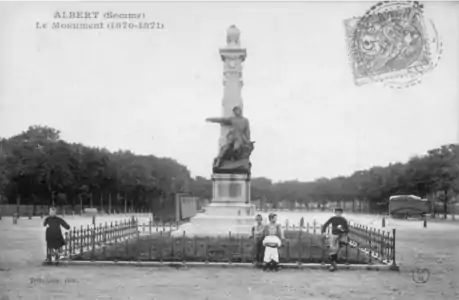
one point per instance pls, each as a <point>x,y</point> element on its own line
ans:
<point>338,209</point>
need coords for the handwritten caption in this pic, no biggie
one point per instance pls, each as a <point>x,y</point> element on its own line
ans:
<point>43,281</point>
<point>97,20</point>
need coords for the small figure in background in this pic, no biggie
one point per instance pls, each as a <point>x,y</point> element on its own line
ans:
<point>302,222</point>
<point>54,238</point>
<point>272,241</point>
<point>258,235</point>
<point>338,236</point>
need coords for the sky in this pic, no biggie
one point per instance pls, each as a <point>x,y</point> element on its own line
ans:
<point>150,91</point>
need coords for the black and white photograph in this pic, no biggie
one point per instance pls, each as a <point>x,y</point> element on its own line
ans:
<point>172,150</point>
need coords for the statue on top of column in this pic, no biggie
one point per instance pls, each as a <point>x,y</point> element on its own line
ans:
<point>235,153</point>
<point>232,36</point>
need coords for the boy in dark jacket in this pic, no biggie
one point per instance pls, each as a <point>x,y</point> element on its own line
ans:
<point>338,235</point>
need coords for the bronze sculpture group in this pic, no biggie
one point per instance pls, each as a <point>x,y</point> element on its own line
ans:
<point>234,154</point>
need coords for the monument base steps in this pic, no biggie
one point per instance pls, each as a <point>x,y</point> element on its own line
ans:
<point>229,212</point>
<point>230,209</point>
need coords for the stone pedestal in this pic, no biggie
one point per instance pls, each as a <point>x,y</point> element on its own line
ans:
<point>229,212</point>
<point>231,188</point>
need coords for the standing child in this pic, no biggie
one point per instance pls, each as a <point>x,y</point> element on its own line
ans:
<point>258,235</point>
<point>54,238</point>
<point>272,242</point>
<point>338,235</point>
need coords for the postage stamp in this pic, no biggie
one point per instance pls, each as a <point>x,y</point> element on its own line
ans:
<point>392,43</point>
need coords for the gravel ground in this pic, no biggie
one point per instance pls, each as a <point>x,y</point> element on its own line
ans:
<point>436,248</point>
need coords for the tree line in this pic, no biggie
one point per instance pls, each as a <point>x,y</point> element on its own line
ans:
<point>38,167</point>
<point>434,175</point>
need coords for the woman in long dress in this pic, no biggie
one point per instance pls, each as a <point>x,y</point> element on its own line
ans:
<point>54,238</point>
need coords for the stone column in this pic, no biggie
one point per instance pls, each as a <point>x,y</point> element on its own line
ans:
<point>233,57</point>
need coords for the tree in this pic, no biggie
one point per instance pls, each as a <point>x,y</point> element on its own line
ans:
<point>36,166</point>
<point>444,167</point>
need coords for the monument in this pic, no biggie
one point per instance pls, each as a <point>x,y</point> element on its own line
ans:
<point>230,209</point>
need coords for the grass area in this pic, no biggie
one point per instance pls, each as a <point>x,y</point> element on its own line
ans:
<point>304,247</point>
<point>435,248</point>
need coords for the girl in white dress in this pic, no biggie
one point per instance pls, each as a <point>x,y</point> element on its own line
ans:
<point>272,242</point>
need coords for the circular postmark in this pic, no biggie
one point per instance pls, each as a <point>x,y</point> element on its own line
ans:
<point>393,43</point>
<point>420,275</point>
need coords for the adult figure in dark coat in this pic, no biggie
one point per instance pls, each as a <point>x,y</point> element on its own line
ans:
<point>54,238</point>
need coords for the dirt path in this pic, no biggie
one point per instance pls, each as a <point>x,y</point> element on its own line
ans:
<point>435,248</point>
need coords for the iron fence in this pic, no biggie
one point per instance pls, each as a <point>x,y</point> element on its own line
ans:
<point>153,241</point>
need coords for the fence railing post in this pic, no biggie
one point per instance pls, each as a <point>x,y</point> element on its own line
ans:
<point>123,229</point>
<point>75,241</point>
<point>149,225</point>
<point>100,234</point>
<point>126,245</point>
<point>150,244</point>
<point>310,239</point>
<point>137,246</point>
<point>106,231</point>
<point>81,240</point>
<point>183,247</point>
<point>394,263</point>
<point>300,241</point>
<point>161,247</point>
<point>242,251</point>
<point>116,232</point>
<point>288,253</point>
<point>110,233</point>
<point>66,246</point>
<point>115,237</point>
<point>195,246</point>
<point>230,255</point>
<point>93,240</point>
<point>390,247</point>
<point>206,244</point>
<point>88,238</point>
<point>370,246</point>
<point>323,247</point>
